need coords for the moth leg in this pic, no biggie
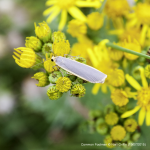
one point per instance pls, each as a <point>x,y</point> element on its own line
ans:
<point>70,56</point>
<point>59,70</point>
<point>65,55</point>
<point>69,73</point>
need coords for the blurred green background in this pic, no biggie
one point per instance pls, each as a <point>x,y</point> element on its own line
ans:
<point>29,120</point>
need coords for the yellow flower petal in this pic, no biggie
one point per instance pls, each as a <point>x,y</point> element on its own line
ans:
<point>49,10</point>
<point>144,81</point>
<point>63,20</point>
<point>95,4</point>
<point>131,112</point>
<point>53,15</point>
<point>77,13</point>
<point>104,88</point>
<point>141,116</point>
<point>133,82</point>
<point>92,57</point>
<point>96,88</point>
<point>50,2</point>
<point>148,118</point>
<point>143,34</point>
<point>132,23</point>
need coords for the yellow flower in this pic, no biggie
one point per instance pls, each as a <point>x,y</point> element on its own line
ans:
<point>58,35</point>
<point>141,16</point>
<point>69,6</point>
<point>130,125</point>
<point>63,84</point>
<point>134,33</point>
<point>76,28</point>
<point>116,8</point>
<point>116,77</point>
<point>42,78</point>
<point>111,118</point>
<point>134,46</point>
<point>118,133</point>
<point>81,49</point>
<point>114,54</point>
<point>119,97</point>
<point>147,71</point>
<point>43,31</point>
<point>125,32</point>
<point>103,87</point>
<point>49,65</point>
<point>24,57</point>
<point>143,99</point>
<point>61,48</point>
<point>98,56</point>
<point>53,93</point>
<point>95,20</point>
<point>34,43</point>
<point>130,94</point>
<point>78,90</point>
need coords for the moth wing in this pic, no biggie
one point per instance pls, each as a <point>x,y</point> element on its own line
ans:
<point>83,71</point>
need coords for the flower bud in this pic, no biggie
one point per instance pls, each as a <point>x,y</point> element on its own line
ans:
<point>111,118</point>
<point>136,136</point>
<point>34,43</point>
<point>95,20</point>
<point>26,57</point>
<point>63,84</point>
<point>121,109</point>
<point>102,128</point>
<point>61,48</point>
<point>66,74</point>
<point>100,121</point>
<point>79,80</point>
<point>54,76</point>
<point>95,114</point>
<point>53,93</point>
<point>127,137</point>
<point>57,36</point>
<point>136,73</point>
<point>118,133</point>
<point>108,141</point>
<point>43,31</point>
<point>42,78</point>
<point>78,90</point>
<point>47,48</point>
<point>108,108</point>
<point>130,125</point>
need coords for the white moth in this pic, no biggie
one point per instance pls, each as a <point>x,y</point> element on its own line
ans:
<point>80,70</point>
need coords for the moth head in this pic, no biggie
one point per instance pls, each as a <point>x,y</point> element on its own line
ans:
<point>53,58</point>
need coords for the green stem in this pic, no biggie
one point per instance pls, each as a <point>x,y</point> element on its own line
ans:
<point>102,7</point>
<point>126,50</point>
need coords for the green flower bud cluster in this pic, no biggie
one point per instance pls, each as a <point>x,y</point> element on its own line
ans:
<point>115,129</point>
<point>46,45</point>
<point>64,82</point>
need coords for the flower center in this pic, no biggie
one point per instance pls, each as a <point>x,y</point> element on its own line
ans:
<point>65,4</point>
<point>143,98</point>
<point>143,13</point>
